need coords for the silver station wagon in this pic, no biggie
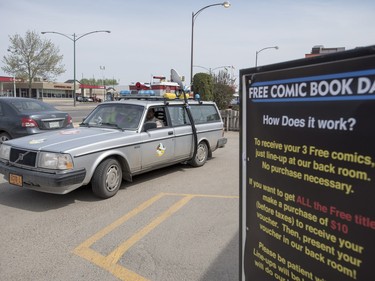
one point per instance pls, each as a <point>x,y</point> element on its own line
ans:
<point>116,141</point>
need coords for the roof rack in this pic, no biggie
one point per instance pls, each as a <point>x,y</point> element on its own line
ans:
<point>166,98</point>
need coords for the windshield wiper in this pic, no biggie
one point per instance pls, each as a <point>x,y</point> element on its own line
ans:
<point>112,125</point>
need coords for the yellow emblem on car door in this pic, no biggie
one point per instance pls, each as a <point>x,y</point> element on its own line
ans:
<point>160,149</point>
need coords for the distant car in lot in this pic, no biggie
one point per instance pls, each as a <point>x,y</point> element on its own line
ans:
<point>25,116</point>
<point>86,99</point>
<point>117,140</point>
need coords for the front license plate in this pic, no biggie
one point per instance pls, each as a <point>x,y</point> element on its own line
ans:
<point>15,179</point>
<point>54,124</point>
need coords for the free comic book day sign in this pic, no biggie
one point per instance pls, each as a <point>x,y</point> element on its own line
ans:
<point>308,169</point>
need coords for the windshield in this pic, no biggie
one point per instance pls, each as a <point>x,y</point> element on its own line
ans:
<point>122,116</point>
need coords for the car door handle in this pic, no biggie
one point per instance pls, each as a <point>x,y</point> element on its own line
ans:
<point>170,133</point>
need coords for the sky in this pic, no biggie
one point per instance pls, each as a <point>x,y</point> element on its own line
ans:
<point>149,38</point>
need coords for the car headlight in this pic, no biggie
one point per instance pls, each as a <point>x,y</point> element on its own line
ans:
<point>59,161</point>
<point>4,151</point>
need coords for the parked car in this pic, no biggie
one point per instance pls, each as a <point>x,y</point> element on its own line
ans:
<point>116,141</point>
<point>25,116</point>
<point>87,99</point>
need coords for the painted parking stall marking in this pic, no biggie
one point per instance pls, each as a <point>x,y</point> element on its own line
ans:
<point>110,262</point>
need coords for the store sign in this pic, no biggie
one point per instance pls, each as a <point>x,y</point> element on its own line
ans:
<point>62,86</point>
<point>308,169</point>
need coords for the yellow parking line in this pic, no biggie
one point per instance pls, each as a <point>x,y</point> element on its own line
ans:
<point>204,195</point>
<point>118,222</point>
<point>119,251</point>
<point>109,262</point>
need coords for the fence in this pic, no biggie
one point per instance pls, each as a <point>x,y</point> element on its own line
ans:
<point>231,119</point>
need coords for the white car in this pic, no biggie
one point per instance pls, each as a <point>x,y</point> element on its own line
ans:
<point>114,142</point>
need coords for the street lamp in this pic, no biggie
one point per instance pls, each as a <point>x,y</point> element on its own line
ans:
<point>226,67</point>
<point>257,52</point>
<point>74,38</point>
<point>193,17</point>
<point>211,70</point>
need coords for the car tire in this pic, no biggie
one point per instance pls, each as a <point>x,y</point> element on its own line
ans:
<point>4,137</point>
<point>201,156</point>
<point>107,178</point>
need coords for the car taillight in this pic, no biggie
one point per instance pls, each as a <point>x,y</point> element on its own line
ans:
<point>29,123</point>
<point>69,118</point>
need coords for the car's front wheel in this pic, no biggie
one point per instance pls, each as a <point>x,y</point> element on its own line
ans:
<point>107,178</point>
<point>201,155</point>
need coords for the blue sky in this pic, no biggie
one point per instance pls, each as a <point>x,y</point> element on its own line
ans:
<point>151,37</point>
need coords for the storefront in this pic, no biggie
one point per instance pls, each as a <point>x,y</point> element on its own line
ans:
<point>48,90</point>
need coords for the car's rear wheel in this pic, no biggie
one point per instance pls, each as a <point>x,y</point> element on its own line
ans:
<point>201,155</point>
<point>4,137</point>
<point>107,178</point>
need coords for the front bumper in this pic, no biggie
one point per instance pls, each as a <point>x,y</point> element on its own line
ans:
<point>58,183</point>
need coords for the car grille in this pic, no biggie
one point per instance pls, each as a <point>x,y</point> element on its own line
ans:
<point>23,157</point>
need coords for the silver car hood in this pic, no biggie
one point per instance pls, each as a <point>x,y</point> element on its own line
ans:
<point>72,139</point>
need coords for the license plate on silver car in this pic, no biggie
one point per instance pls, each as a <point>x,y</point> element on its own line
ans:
<point>15,180</point>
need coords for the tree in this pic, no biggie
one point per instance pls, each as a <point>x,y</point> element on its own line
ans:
<point>31,57</point>
<point>223,95</point>
<point>218,88</point>
<point>99,82</point>
<point>203,85</point>
<point>223,89</point>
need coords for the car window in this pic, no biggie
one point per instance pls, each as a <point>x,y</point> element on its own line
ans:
<point>123,116</point>
<point>23,106</point>
<point>157,115</point>
<point>205,113</point>
<point>178,115</point>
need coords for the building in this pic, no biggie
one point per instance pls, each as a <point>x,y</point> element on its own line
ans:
<point>47,89</point>
<point>64,90</point>
<point>320,50</point>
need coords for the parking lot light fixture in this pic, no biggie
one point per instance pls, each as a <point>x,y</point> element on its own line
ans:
<point>257,52</point>
<point>225,4</point>
<point>75,38</point>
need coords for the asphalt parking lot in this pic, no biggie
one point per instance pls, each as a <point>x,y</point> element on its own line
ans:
<point>177,223</point>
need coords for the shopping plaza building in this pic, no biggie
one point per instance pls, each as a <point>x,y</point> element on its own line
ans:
<point>14,87</point>
<point>11,87</point>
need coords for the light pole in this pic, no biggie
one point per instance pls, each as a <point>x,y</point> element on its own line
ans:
<point>102,68</point>
<point>14,85</point>
<point>257,52</point>
<point>193,17</point>
<point>74,38</point>
<point>14,78</point>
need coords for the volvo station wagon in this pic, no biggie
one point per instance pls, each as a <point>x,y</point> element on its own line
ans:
<point>116,141</point>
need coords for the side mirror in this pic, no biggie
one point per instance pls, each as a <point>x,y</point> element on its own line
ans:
<point>149,126</point>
